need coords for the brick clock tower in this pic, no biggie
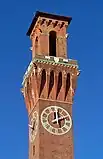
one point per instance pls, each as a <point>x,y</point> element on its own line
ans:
<point>48,88</point>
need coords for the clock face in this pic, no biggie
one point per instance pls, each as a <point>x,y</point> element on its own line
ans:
<point>33,126</point>
<point>56,120</point>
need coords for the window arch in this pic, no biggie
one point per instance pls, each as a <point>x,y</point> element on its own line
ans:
<point>36,45</point>
<point>52,43</point>
<point>43,81</point>
<point>67,84</point>
<point>51,82</point>
<point>59,83</point>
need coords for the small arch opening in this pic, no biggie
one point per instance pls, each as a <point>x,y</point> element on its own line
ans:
<point>52,43</point>
<point>43,81</point>
<point>36,44</point>
<point>67,84</point>
<point>51,82</point>
<point>59,83</point>
<point>29,94</point>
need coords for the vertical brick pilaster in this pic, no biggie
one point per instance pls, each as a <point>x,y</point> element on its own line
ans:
<point>44,44</point>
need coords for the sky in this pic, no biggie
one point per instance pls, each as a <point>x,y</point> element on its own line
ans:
<point>85,44</point>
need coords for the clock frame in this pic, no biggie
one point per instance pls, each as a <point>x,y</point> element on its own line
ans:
<point>56,120</point>
<point>33,125</point>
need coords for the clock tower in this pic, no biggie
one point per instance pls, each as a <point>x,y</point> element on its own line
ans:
<point>49,85</point>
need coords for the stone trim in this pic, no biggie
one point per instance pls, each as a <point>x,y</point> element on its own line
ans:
<point>52,61</point>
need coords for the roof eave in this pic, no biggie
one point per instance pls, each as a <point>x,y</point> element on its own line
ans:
<point>47,15</point>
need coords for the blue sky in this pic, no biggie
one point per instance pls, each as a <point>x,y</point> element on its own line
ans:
<point>85,45</point>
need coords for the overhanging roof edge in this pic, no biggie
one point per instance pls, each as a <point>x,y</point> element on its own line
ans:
<point>47,15</point>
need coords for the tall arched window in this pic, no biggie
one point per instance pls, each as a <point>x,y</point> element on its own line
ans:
<point>36,45</point>
<point>52,43</point>
<point>43,81</point>
<point>51,82</point>
<point>59,83</point>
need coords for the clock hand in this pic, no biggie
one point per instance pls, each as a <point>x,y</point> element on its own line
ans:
<point>59,121</point>
<point>63,117</point>
<point>31,126</point>
<point>60,118</point>
<point>56,115</point>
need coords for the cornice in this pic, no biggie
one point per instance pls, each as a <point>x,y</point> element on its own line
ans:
<point>49,60</point>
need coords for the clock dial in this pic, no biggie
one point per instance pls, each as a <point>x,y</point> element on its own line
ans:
<point>33,126</point>
<point>56,120</point>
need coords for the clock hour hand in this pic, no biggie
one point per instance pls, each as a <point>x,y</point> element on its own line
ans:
<point>59,122</point>
<point>54,115</point>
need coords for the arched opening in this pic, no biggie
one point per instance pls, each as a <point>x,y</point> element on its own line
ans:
<point>43,81</point>
<point>36,45</point>
<point>51,82</point>
<point>67,84</point>
<point>59,83</point>
<point>29,95</point>
<point>52,43</point>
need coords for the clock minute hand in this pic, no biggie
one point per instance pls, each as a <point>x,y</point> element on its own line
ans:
<point>60,118</point>
<point>56,115</point>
